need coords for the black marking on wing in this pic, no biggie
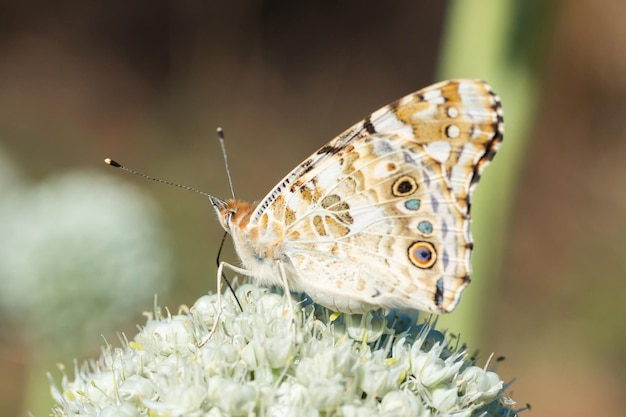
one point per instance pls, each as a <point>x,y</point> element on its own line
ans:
<point>328,149</point>
<point>439,293</point>
<point>305,167</point>
<point>275,192</point>
<point>368,126</point>
<point>491,146</point>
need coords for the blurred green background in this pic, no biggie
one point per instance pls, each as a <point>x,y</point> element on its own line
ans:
<point>147,83</point>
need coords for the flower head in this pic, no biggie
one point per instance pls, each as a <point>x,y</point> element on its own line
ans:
<point>266,361</point>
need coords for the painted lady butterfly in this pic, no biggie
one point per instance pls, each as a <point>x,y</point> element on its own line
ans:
<point>380,216</point>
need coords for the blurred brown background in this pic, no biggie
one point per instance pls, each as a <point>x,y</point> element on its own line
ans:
<point>147,83</point>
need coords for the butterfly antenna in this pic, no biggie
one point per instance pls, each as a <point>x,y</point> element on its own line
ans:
<point>220,136</point>
<point>116,164</point>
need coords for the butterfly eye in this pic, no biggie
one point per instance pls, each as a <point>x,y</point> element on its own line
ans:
<point>228,218</point>
<point>422,254</point>
<point>404,186</point>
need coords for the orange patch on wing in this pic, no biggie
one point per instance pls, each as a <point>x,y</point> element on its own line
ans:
<point>318,223</point>
<point>278,206</point>
<point>307,195</point>
<point>347,162</point>
<point>290,216</point>
<point>335,228</point>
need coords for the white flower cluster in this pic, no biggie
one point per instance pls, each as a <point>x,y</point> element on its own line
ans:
<point>266,361</point>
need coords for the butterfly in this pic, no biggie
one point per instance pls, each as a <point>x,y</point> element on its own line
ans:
<point>379,217</point>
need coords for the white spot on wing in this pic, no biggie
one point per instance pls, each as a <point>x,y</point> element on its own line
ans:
<point>439,151</point>
<point>381,171</point>
<point>477,107</point>
<point>295,201</point>
<point>368,217</point>
<point>453,131</point>
<point>434,96</point>
<point>469,87</point>
<point>329,176</point>
<point>385,121</point>
<point>427,114</point>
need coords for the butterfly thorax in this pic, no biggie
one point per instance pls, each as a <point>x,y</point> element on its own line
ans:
<point>259,246</point>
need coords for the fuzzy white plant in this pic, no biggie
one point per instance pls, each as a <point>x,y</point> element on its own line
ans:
<point>265,361</point>
<point>71,244</point>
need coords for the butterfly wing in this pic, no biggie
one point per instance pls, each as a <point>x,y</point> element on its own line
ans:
<point>379,217</point>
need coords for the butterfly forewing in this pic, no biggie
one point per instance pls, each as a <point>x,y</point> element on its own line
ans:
<point>379,217</point>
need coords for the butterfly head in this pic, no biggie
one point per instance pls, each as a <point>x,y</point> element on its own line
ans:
<point>232,214</point>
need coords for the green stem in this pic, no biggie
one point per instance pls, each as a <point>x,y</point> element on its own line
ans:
<point>494,40</point>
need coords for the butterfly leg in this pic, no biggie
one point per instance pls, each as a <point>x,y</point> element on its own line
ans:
<point>292,311</point>
<point>283,278</point>
<point>220,270</point>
